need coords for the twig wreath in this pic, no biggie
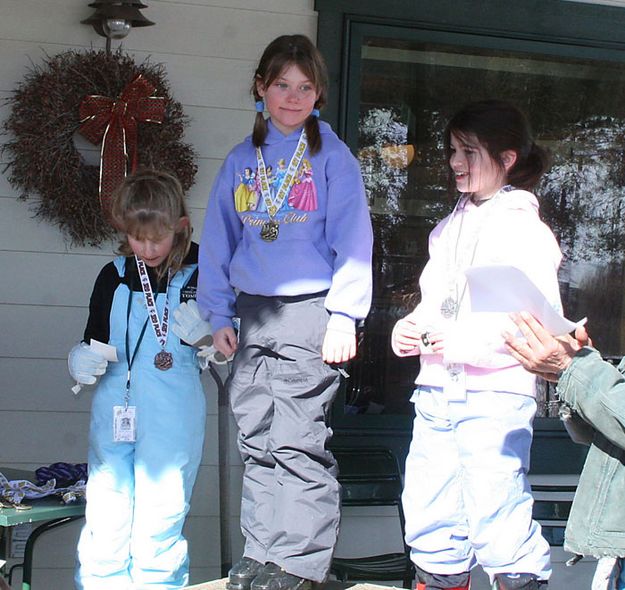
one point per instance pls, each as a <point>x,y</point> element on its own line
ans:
<point>49,107</point>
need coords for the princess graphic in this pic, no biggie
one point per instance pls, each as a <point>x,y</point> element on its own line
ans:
<point>244,194</point>
<point>303,195</point>
<point>260,205</point>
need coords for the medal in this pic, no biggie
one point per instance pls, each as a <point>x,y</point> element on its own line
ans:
<point>163,360</point>
<point>269,230</point>
<point>449,308</point>
<point>461,252</point>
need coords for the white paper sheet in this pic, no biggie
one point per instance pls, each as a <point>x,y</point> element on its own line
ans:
<point>507,289</point>
<point>106,350</point>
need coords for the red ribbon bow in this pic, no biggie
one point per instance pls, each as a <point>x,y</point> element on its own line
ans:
<point>114,123</point>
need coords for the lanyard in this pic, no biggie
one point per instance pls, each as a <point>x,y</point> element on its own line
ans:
<point>131,359</point>
<point>458,259</point>
<point>161,329</point>
<point>273,205</point>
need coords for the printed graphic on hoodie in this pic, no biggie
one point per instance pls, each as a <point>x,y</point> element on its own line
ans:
<point>302,195</point>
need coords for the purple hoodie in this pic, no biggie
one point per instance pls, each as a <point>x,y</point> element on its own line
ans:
<point>325,236</point>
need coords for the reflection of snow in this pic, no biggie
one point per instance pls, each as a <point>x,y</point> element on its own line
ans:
<point>578,273</point>
<point>584,192</point>
<point>383,140</point>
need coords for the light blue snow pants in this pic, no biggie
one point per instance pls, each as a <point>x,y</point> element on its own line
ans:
<point>466,497</point>
<point>138,493</point>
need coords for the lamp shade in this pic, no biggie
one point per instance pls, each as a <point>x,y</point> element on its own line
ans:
<point>115,18</point>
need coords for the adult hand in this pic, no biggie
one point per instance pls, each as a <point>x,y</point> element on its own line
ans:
<point>225,341</point>
<point>539,352</point>
<point>189,326</point>
<point>338,346</point>
<point>85,365</point>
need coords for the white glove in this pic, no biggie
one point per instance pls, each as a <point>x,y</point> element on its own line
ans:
<point>209,354</point>
<point>85,365</point>
<point>190,327</point>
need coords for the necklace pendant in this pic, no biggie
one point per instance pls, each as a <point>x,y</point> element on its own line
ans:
<point>163,360</point>
<point>269,231</point>
<point>449,308</point>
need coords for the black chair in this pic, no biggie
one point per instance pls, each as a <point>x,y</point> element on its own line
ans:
<point>552,505</point>
<point>370,476</point>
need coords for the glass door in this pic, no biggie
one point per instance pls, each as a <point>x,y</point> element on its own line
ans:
<point>402,86</point>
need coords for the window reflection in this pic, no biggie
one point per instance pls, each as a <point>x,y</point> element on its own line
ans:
<point>407,91</point>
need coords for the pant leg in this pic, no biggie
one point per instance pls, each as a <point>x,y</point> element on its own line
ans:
<point>281,392</point>
<point>168,451</point>
<point>251,400</point>
<point>307,494</point>
<point>436,525</point>
<point>494,436</point>
<point>103,553</point>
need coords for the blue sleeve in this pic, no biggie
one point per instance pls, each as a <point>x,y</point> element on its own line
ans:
<point>221,235</point>
<point>350,237</point>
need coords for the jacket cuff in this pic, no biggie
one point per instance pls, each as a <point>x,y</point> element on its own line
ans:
<point>576,374</point>
<point>217,322</point>
<point>342,323</point>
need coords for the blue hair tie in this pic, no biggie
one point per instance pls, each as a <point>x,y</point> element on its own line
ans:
<point>260,106</point>
<point>315,113</point>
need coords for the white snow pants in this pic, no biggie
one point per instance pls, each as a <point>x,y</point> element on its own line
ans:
<point>466,498</point>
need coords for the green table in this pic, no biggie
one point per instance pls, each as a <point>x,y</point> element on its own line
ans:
<point>50,511</point>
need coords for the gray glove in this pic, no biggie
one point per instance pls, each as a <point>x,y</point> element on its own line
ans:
<point>190,327</point>
<point>85,365</point>
<point>209,354</point>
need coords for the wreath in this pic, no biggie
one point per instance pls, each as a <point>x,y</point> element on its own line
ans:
<point>68,92</point>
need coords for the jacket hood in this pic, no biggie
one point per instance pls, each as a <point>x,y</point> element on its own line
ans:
<point>520,199</point>
<point>275,136</point>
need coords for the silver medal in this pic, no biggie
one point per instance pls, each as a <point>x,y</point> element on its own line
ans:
<point>449,308</point>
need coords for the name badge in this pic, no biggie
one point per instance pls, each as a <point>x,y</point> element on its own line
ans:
<point>124,424</point>
<point>456,387</point>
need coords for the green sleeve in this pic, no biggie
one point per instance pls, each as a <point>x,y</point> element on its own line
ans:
<point>596,390</point>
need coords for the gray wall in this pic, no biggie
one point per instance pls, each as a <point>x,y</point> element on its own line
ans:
<point>209,48</point>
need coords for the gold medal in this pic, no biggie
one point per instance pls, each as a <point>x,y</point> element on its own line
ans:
<point>269,230</point>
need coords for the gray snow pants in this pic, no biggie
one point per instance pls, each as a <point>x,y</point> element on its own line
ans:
<point>281,392</point>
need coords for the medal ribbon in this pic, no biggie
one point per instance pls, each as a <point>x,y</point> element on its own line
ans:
<point>273,205</point>
<point>461,258</point>
<point>161,329</point>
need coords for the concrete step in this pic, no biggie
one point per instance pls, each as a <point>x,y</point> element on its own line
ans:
<point>331,585</point>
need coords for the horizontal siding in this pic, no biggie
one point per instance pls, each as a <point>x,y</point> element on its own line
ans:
<point>181,28</point>
<point>43,385</point>
<point>42,438</point>
<point>23,232</point>
<point>209,49</point>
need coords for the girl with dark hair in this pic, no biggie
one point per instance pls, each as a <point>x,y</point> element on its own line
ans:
<point>467,499</point>
<point>296,270</point>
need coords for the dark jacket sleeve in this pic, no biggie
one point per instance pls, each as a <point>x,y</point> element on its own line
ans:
<point>595,389</point>
<point>98,324</point>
